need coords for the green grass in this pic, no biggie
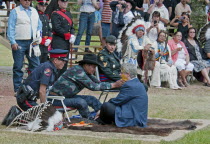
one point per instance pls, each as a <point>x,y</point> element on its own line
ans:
<point>5,56</point>
<point>200,137</point>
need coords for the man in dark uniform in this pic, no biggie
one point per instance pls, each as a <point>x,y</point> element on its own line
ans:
<point>75,79</point>
<point>38,81</point>
<point>110,68</point>
<point>46,30</point>
<point>62,28</point>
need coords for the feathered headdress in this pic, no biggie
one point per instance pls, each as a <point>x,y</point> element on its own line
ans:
<point>40,117</point>
<point>204,33</point>
<point>127,31</point>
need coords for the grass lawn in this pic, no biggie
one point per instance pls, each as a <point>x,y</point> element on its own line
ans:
<point>190,103</point>
<point>5,56</point>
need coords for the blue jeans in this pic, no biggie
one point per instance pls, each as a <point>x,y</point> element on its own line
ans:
<point>86,21</point>
<point>81,102</point>
<point>18,57</point>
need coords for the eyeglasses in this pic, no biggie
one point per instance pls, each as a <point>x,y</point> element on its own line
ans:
<point>191,32</point>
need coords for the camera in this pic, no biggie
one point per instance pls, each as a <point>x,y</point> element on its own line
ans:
<point>155,22</point>
<point>124,5</point>
<point>182,18</point>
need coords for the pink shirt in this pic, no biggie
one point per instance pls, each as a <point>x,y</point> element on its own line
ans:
<point>173,46</point>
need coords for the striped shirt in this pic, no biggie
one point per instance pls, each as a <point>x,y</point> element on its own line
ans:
<point>107,12</point>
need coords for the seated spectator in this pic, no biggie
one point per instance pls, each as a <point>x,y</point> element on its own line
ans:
<point>130,107</point>
<point>109,70</point>
<point>137,41</point>
<point>121,15</point>
<point>197,56</point>
<point>182,23</point>
<point>75,79</point>
<point>168,71</point>
<point>159,6</point>
<point>154,26</point>
<point>182,7</point>
<point>86,21</point>
<point>180,57</point>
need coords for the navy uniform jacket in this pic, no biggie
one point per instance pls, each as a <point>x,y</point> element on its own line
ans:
<point>110,65</point>
<point>60,26</point>
<point>45,73</point>
<point>46,30</point>
<point>131,105</point>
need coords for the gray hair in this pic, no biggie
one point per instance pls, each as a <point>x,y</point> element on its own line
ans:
<point>131,69</point>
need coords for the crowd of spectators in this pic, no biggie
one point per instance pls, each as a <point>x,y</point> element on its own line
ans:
<point>108,17</point>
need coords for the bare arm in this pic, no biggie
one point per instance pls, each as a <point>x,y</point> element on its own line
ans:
<point>151,8</point>
<point>175,51</point>
<point>165,21</point>
<point>173,23</point>
<point>170,11</point>
<point>42,93</point>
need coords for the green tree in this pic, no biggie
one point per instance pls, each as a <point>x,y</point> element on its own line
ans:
<point>198,16</point>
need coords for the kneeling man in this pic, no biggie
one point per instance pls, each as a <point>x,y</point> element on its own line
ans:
<point>40,79</point>
<point>75,79</point>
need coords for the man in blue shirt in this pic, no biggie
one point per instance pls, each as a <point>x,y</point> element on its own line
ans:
<point>24,28</point>
<point>40,79</point>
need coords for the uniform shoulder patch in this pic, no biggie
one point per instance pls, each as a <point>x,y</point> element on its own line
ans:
<point>48,72</point>
<point>101,58</point>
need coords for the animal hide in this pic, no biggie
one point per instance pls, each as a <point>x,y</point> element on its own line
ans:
<point>155,127</point>
<point>40,117</point>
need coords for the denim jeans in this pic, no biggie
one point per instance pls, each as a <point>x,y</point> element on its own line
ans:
<point>18,57</point>
<point>81,102</point>
<point>86,21</point>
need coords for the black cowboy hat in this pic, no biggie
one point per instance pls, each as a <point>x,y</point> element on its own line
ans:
<point>133,3</point>
<point>90,59</point>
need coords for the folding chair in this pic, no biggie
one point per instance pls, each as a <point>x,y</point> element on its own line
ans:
<point>62,108</point>
<point>104,92</point>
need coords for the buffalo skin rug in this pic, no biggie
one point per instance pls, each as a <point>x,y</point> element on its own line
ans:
<point>155,127</point>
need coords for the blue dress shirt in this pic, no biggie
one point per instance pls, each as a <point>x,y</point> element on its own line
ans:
<point>12,22</point>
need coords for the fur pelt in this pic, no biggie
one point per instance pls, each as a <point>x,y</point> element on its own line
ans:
<point>155,127</point>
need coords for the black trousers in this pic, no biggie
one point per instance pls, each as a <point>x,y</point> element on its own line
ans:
<point>107,113</point>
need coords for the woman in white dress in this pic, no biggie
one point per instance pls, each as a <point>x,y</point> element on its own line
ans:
<point>168,71</point>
